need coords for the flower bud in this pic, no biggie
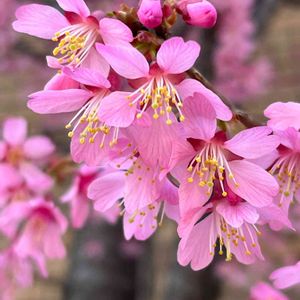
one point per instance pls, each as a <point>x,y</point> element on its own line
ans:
<point>150,13</point>
<point>198,13</point>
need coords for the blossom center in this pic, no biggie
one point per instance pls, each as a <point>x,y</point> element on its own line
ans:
<point>209,165</point>
<point>161,95</point>
<point>75,41</point>
<point>87,122</point>
<point>15,155</point>
<point>231,237</point>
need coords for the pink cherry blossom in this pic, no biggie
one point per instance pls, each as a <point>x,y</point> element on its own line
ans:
<point>156,85</point>
<point>142,195</point>
<point>159,87</point>
<point>19,156</point>
<point>211,157</point>
<point>263,291</point>
<point>286,276</point>
<point>150,13</point>
<point>228,219</point>
<point>198,12</point>
<point>283,115</point>
<point>76,32</point>
<point>93,141</point>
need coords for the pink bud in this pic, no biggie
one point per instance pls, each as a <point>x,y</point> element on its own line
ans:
<point>198,12</point>
<point>150,13</point>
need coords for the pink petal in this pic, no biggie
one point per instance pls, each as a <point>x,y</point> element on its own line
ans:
<point>87,77</point>
<point>116,111</point>
<point>191,195</point>
<point>126,61</point>
<point>172,211</point>
<point>290,138</point>
<point>255,185</point>
<point>53,244</point>
<point>267,160</point>
<point>286,277</point>
<point>107,190</point>
<point>169,193</point>
<point>52,102</point>
<point>15,130</point>
<point>11,216</point>
<point>196,249</point>
<point>61,82</point>
<point>53,63</point>
<point>188,221</point>
<point>38,147</point>
<point>77,6</point>
<point>283,115</point>
<point>37,20</point>
<point>236,215</point>
<point>200,117</point>
<point>79,211</point>
<point>142,187</point>
<point>141,226</point>
<point>190,86</point>
<point>253,143</point>
<point>115,32</point>
<point>181,155</point>
<point>36,180</point>
<point>72,192</point>
<point>94,61</point>
<point>263,291</point>
<point>176,56</point>
<point>10,177</point>
<point>155,142</point>
<point>240,251</point>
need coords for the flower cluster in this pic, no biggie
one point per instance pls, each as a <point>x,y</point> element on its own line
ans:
<point>31,222</point>
<point>167,144</point>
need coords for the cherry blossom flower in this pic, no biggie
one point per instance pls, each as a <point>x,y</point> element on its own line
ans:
<point>211,157</point>
<point>92,139</point>
<point>157,86</point>
<point>76,32</point>
<point>228,219</point>
<point>142,194</point>
<point>286,276</point>
<point>19,156</point>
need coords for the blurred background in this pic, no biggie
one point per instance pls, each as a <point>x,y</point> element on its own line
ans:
<point>253,58</point>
